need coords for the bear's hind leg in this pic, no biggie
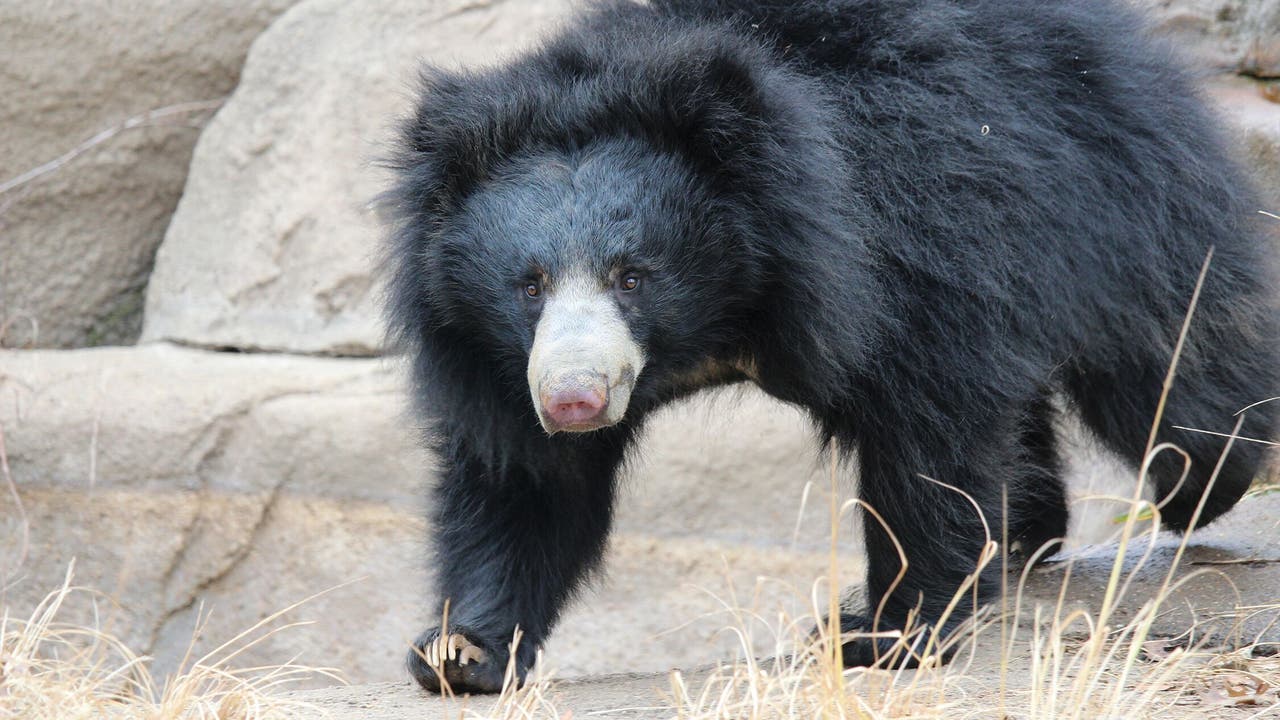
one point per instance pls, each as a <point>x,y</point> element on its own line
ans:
<point>1118,404</point>
<point>1013,466</point>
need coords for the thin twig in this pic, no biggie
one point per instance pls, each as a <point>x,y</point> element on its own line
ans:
<point>1238,561</point>
<point>148,118</point>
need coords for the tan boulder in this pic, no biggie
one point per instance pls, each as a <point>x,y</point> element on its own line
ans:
<point>77,242</point>
<point>167,417</point>
<point>181,479</point>
<point>272,245</point>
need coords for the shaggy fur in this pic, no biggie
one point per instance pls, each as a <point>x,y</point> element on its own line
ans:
<point>916,219</point>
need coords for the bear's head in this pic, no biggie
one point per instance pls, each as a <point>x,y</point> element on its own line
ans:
<point>609,221</point>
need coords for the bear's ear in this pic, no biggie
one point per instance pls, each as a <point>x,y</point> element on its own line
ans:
<point>718,109</point>
<point>440,151</point>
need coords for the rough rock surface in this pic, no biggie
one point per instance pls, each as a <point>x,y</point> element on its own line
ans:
<point>159,467</point>
<point>181,479</point>
<point>1235,35</point>
<point>272,245</point>
<point>76,244</point>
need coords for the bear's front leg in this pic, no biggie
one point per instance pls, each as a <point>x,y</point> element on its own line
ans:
<point>512,545</point>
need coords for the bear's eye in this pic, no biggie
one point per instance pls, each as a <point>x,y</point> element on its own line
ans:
<point>629,282</point>
<point>533,290</point>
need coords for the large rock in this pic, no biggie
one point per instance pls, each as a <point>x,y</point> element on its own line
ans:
<point>168,418</point>
<point>158,468</point>
<point>272,243</point>
<point>181,479</point>
<point>77,243</point>
<point>1236,35</point>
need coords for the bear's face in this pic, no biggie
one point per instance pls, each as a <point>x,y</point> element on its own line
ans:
<point>596,270</point>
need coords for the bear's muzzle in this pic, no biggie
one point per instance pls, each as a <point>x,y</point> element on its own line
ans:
<point>584,361</point>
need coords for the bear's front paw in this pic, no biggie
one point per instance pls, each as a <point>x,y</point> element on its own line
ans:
<point>468,664</point>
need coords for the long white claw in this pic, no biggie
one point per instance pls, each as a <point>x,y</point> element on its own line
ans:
<point>456,643</point>
<point>471,653</point>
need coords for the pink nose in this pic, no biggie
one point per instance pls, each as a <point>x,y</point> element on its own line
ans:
<point>574,408</point>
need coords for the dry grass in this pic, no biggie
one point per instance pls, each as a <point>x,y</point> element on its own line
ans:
<point>1056,662</point>
<point>51,670</point>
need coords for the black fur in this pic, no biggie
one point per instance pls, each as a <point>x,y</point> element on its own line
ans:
<point>916,219</point>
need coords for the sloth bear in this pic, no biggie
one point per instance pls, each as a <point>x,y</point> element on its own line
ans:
<point>918,220</point>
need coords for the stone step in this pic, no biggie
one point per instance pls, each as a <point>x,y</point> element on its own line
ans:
<point>731,466</point>
<point>181,478</point>
<point>165,557</point>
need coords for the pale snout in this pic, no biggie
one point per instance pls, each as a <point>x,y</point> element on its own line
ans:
<point>584,362</point>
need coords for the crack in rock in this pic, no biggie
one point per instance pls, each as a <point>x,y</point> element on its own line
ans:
<point>229,563</point>
<point>204,526</point>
